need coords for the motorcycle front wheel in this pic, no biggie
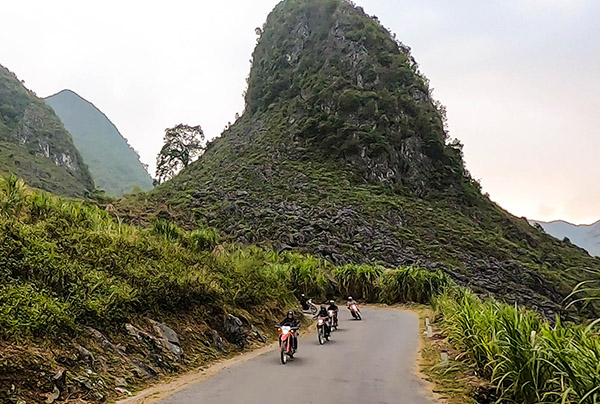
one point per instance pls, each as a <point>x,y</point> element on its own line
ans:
<point>358,317</point>
<point>313,309</point>
<point>283,356</point>
<point>320,335</point>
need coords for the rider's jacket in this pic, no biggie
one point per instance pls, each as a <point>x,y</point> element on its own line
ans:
<point>290,322</point>
<point>322,313</point>
<point>332,307</point>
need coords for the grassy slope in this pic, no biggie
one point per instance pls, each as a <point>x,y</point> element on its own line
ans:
<point>114,165</point>
<point>47,155</point>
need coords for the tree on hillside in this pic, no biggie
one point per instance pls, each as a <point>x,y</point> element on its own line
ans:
<point>183,144</point>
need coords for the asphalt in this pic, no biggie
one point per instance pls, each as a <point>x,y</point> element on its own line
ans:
<point>372,361</point>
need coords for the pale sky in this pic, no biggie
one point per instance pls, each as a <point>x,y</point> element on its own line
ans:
<point>520,78</point>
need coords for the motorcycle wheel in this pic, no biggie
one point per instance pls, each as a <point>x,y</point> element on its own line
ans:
<point>313,309</point>
<point>320,335</point>
<point>283,356</point>
<point>358,317</point>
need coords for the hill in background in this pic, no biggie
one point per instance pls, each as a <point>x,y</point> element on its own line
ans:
<point>114,165</point>
<point>582,235</point>
<point>342,152</point>
<point>34,144</point>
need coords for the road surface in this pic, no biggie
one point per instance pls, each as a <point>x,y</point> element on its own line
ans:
<point>366,362</point>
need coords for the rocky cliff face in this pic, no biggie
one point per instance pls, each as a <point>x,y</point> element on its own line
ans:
<point>347,88</point>
<point>34,144</point>
<point>341,152</point>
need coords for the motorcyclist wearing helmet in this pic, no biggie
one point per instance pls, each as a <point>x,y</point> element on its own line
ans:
<point>291,321</point>
<point>325,316</point>
<point>333,307</point>
<point>303,302</point>
<point>350,302</point>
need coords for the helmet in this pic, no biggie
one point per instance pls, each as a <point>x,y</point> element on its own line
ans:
<point>290,313</point>
<point>302,295</point>
<point>350,298</point>
<point>322,307</point>
<point>331,302</point>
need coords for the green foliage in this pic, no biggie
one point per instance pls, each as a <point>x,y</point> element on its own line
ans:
<point>12,196</point>
<point>358,281</point>
<point>203,239</point>
<point>526,358</point>
<point>166,229</point>
<point>411,284</point>
<point>27,312</point>
<point>182,145</point>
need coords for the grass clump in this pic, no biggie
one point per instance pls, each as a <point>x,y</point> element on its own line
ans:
<point>359,281</point>
<point>411,284</point>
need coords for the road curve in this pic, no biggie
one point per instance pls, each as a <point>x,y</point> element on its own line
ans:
<point>368,362</point>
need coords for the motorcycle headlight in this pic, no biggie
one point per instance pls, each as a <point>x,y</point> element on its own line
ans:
<point>285,332</point>
<point>320,322</point>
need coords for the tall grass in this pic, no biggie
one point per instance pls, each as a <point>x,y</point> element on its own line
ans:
<point>527,359</point>
<point>411,284</point>
<point>358,281</point>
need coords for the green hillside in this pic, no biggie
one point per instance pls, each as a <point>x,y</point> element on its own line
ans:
<point>34,144</point>
<point>114,165</point>
<point>341,152</point>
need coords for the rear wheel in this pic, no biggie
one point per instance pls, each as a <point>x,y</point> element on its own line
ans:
<point>320,335</point>
<point>313,309</point>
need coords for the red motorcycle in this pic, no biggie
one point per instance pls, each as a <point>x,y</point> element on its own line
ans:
<point>286,342</point>
<point>355,311</point>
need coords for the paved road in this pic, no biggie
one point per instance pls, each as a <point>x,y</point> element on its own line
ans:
<point>366,362</point>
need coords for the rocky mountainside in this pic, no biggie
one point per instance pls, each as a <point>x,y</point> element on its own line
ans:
<point>582,235</point>
<point>342,152</point>
<point>34,144</point>
<point>114,165</point>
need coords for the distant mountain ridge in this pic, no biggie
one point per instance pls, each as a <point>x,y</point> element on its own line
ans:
<point>114,165</point>
<point>586,236</point>
<point>34,144</point>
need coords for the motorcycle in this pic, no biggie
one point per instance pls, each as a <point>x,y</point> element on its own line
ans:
<point>312,308</point>
<point>286,344</point>
<point>355,311</point>
<point>333,319</point>
<point>323,329</point>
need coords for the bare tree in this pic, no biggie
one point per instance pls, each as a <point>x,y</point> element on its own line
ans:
<point>183,144</point>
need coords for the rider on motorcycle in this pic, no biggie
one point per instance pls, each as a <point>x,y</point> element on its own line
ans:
<point>303,302</point>
<point>350,302</point>
<point>333,307</point>
<point>291,321</point>
<point>325,316</point>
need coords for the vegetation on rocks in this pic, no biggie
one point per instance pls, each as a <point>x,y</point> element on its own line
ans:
<point>341,153</point>
<point>34,144</point>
